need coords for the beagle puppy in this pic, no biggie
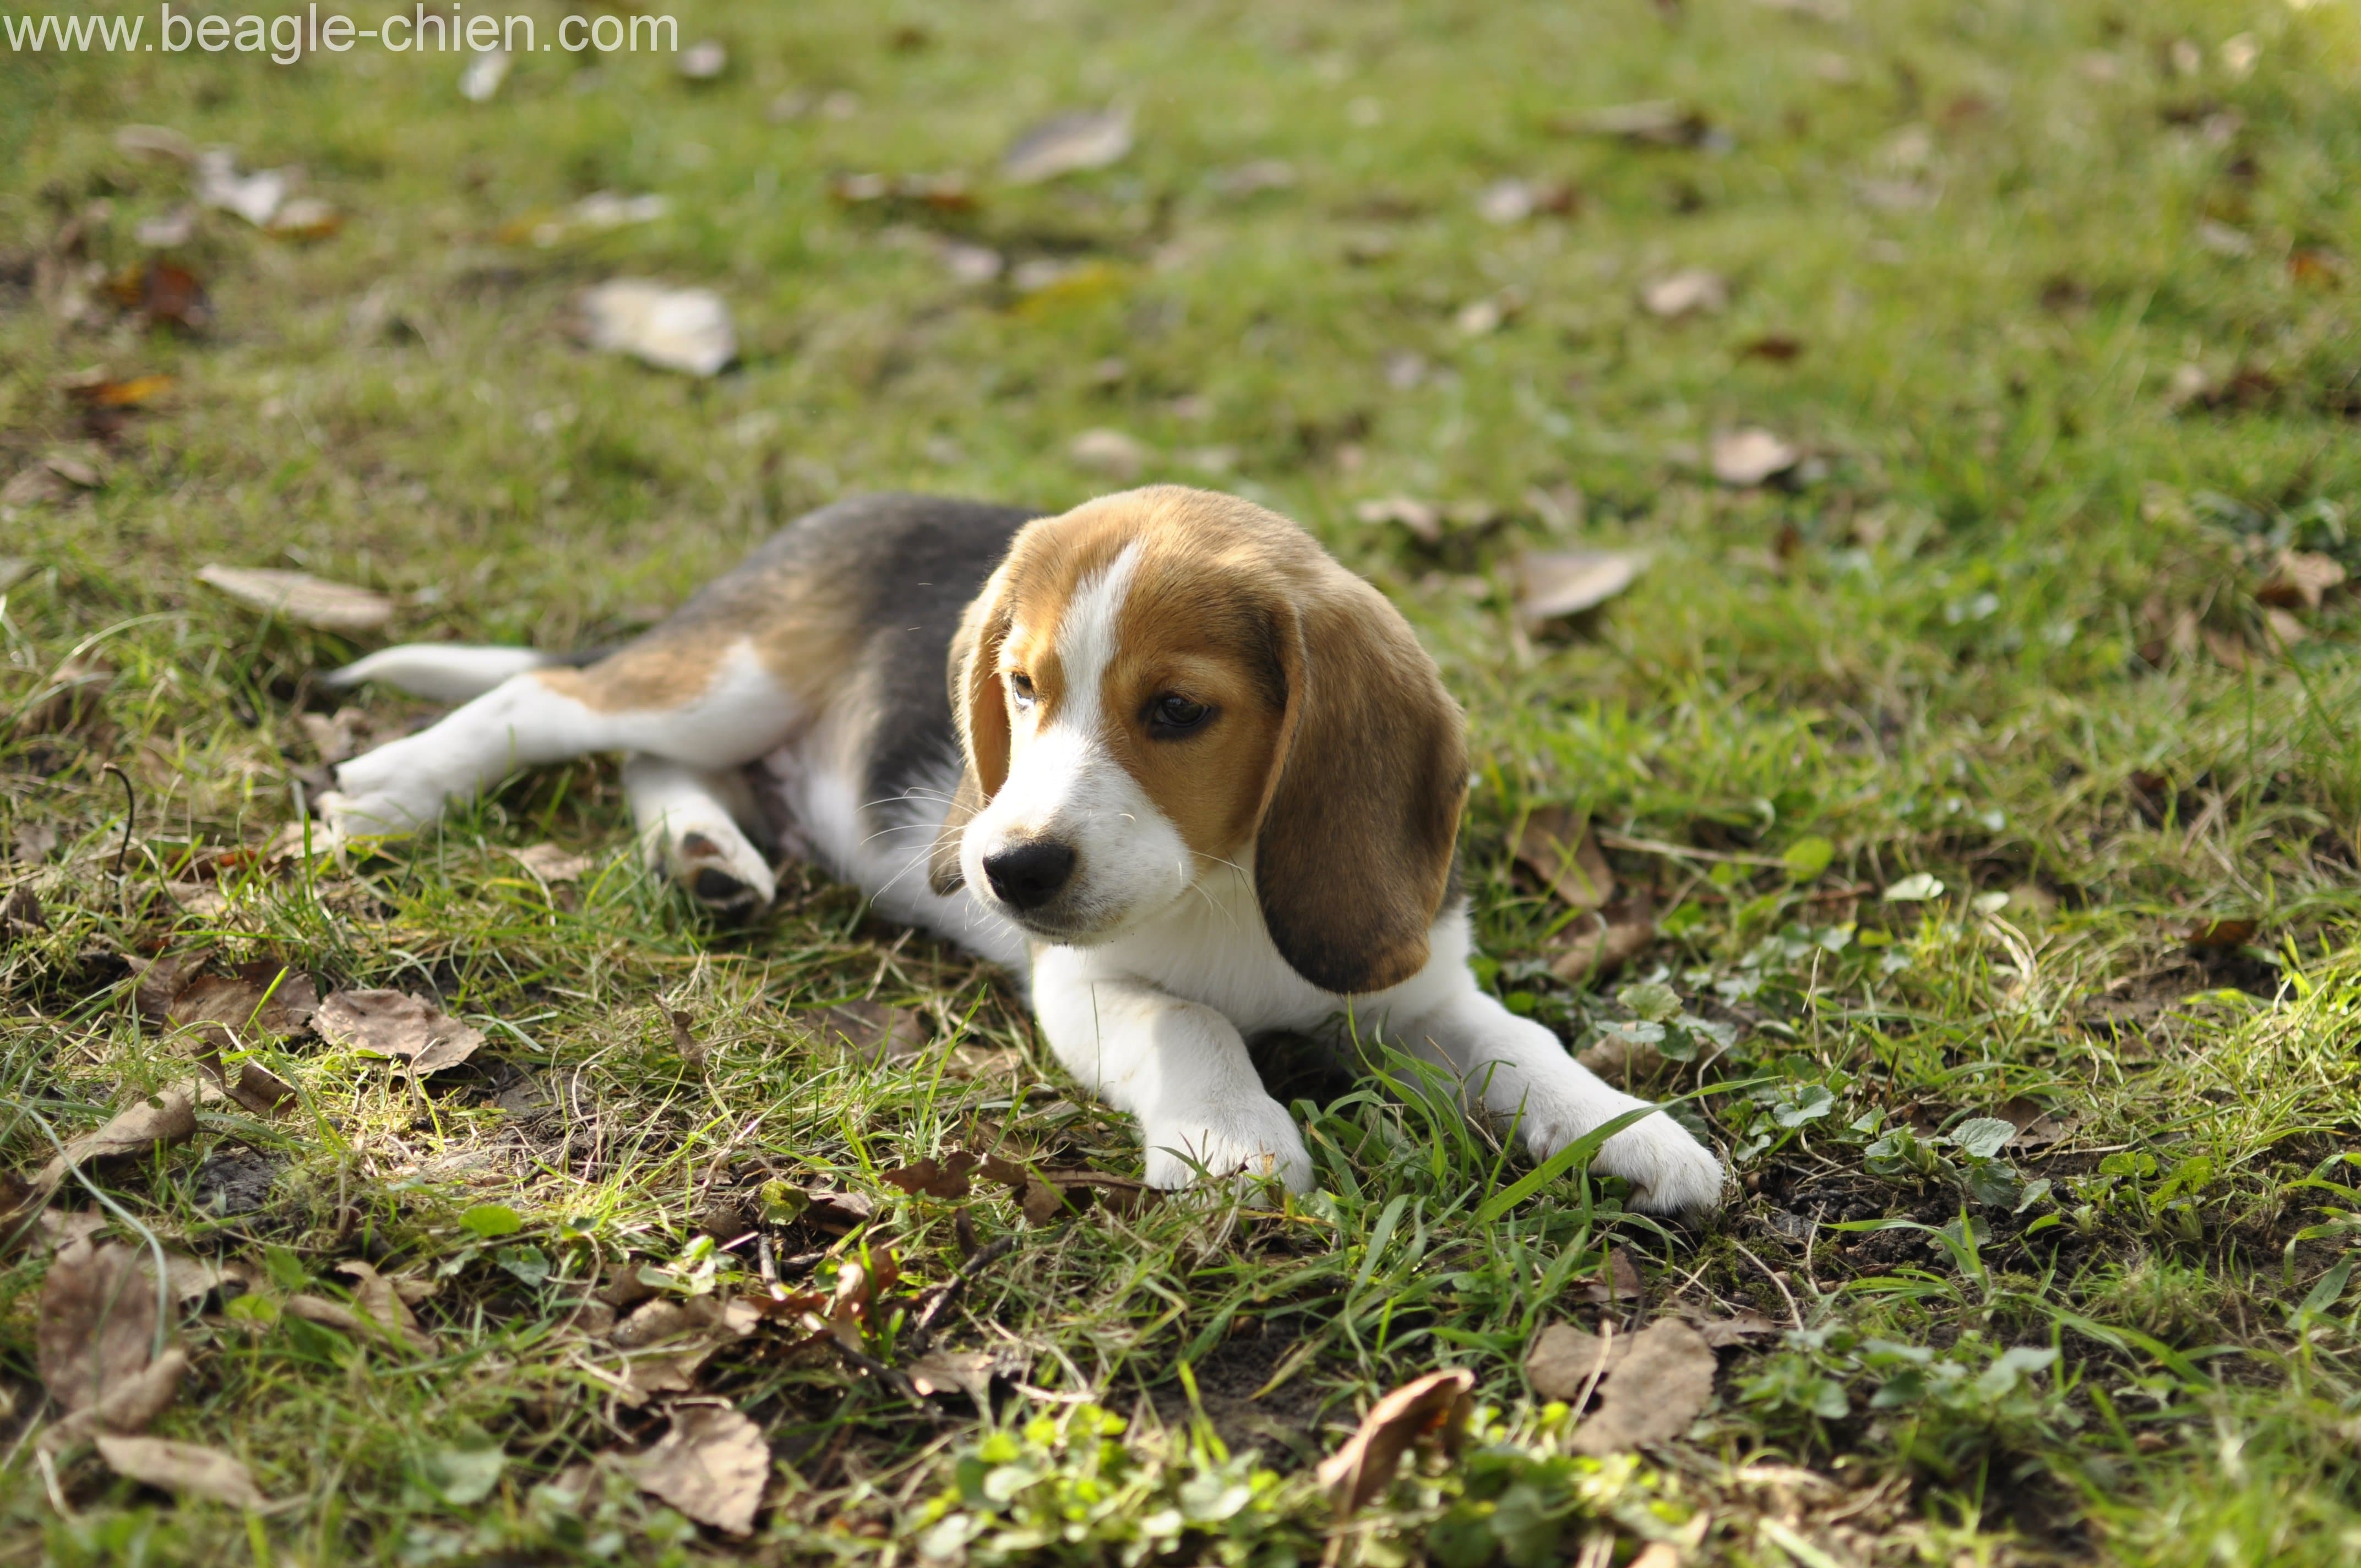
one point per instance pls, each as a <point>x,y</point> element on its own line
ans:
<point>1190,777</point>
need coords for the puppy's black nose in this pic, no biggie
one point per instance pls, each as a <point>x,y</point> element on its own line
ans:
<point>1027,875</point>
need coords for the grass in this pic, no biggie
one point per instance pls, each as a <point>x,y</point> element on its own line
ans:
<point>2072,288</point>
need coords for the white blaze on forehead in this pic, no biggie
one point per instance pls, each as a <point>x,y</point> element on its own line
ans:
<point>1086,637</point>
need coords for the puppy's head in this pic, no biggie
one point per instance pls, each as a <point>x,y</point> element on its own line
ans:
<point>1159,682</point>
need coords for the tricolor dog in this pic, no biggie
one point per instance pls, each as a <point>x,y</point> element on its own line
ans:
<point>1188,775</point>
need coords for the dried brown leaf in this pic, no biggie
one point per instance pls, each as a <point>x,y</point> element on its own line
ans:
<point>182,1467</point>
<point>395,1024</point>
<point>550,863</point>
<point>381,1303</point>
<point>1600,944</point>
<point>1690,291</point>
<point>1044,1201</point>
<point>1068,144</point>
<point>2301,579</point>
<point>935,1179</point>
<point>711,1465</point>
<point>1554,585</point>
<point>688,330</point>
<point>1749,456</point>
<point>1736,1329</point>
<point>159,1120</point>
<point>96,1340</point>
<point>1651,1392</point>
<point>302,597</point>
<point>1555,843</point>
<point>1564,1360</point>
<point>966,1372</point>
<point>1436,1405</point>
<point>1618,1282</point>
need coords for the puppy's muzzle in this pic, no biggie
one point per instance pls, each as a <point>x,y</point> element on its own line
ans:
<point>1027,875</point>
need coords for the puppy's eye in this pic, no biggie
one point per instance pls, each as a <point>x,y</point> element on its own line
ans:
<point>1173,714</point>
<point>1020,686</point>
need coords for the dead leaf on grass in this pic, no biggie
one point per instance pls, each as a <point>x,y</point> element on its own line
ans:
<point>1555,843</point>
<point>2037,1126</point>
<point>2219,935</point>
<point>550,863</point>
<point>160,143</point>
<point>1601,943</point>
<point>1657,122</point>
<point>386,1303</point>
<point>2301,579</point>
<point>255,197</point>
<point>1618,1282</point>
<point>965,1372</point>
<point>302,597</point>
<point>688,330</point>
<point>1068,144</point>
<point>1651,1383</point>
<point>159,291</point>
<point>1751,455</point>
<point>1110,453</point>
<point>1422,518</point>
<point>158,1121</point>
<point>182,1467</point>
<point>1693,290</point>
<point>1436,1405</point>
<point>946,1177</point>
<point>1557,583</point>
<point>1737,1329</point>
<point>95,1342</point>
<point>395,1024</point>
<point>711,1465</point>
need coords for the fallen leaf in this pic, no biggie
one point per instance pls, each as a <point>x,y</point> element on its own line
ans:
<point>159,291</point>
<point>1554,585</point>
<point>95,1341</point>
<point>1598,944</point>
<point>1564,1360</point>
<point>1068,144</point>
<point>1614,1058</point>
<point>21,914</point>
<point>158,142</point>
<point>395,1024</point>
<point>1657,122</point>
<point>168,230</point>
<point>1778,348</point>
<point>1436,1405</point>
<point>253,197</point>
<point>1555,843</point>
<point>1506,201</point>
<point>305,217</point>
<point>302,597</point>
<point>711,1465</point>
<point>380,1302</point>
<point>158,1121</point>
<point>687,330</point>
<point>935,1179</point>
<point>550,863</point>
<point>704,60</point>
<point>1656,1387</point>
<point>264,996</point>
<point>1621,1282</point>
<point>1044,1201</point>
<point>1691,292</point>
<point>182,1467</point>
<point>945,193</point>
<point>1108,452</point>
<point>966,1372</point>
<point>1735,1329</point>
<point>132,392</point>
<point>872,1031</point>
<point>1422,518</point>
<point>2301,579</point>
<point>2037,1126</point>
<point>2219,935</point>
<point>1750,456</point>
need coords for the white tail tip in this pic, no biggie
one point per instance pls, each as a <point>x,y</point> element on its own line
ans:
<point>444,672</point>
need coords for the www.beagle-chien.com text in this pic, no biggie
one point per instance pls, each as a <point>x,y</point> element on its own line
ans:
<point>1188,776</point>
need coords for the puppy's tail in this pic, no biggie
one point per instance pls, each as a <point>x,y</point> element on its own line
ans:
<point>444,672</point>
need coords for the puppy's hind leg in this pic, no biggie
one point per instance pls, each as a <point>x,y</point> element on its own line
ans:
<point>690,822</point>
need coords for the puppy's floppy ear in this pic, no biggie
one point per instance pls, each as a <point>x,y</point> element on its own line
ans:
<point>1361,815</point>
<point>981,714</point>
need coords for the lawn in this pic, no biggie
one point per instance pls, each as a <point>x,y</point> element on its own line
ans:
<point>1976,773</point>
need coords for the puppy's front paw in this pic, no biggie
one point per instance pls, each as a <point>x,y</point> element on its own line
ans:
<point>1251,1141</point>
<point>377,813</point>
<point>1670,1171</point>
